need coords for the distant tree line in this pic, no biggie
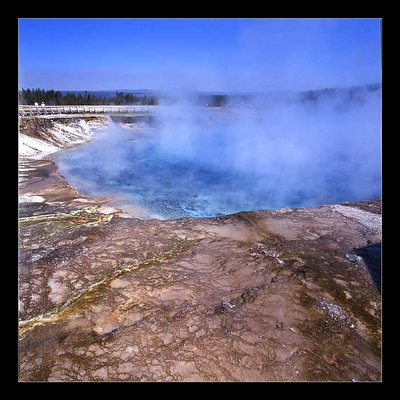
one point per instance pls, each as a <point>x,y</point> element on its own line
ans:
<point>52,97</point>
<point>352,92</point>
<point>55,98</point>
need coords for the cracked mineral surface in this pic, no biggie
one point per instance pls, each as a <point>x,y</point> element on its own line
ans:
<point>253,296</point>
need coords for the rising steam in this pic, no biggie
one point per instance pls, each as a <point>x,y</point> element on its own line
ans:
<point>315,147</point>
<point>265,152</point>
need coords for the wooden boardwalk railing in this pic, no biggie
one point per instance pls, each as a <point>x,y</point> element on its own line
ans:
<point>85,109</point>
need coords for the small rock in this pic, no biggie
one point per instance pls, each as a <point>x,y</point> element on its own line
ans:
<point>353,257</point>
<point>224,306</point>
<point>279,326</point>
<point>274,279</point>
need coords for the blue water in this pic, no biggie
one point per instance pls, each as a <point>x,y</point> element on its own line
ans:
<point>207,169</point>
<point>166,188</point>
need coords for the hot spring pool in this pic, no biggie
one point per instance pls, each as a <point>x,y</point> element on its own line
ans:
<point>211,173</point>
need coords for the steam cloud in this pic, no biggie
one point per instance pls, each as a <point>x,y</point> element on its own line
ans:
<point>267,152</point>
<point>324,149</point>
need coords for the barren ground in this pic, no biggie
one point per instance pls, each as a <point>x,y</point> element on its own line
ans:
<point>254,296</point>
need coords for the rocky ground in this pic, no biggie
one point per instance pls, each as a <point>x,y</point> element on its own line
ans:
<point>287,295</point>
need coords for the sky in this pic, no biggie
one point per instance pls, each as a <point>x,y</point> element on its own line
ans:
<point>220,55</point>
